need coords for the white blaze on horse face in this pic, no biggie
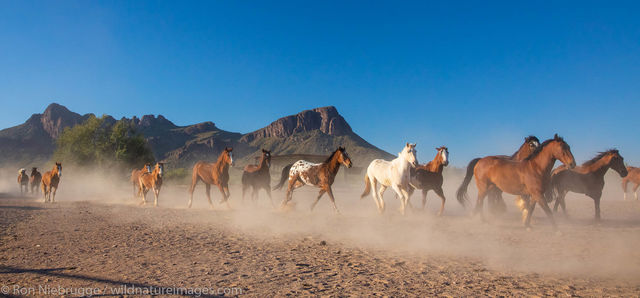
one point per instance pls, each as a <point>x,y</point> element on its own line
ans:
<point>445,156</point>
<point>149,169</point>
<point>230,158</point>
<point>59,171</point>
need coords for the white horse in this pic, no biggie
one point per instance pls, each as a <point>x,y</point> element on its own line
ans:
<point>394,174</point>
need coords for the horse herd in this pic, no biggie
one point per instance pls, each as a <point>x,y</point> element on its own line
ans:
<point>528,174</point>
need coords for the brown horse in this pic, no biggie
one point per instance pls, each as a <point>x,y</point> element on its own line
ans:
<point>429,177</point>
<point>135,175</point>
<point>23,181</point>
<point>50,181</point>
<point>320,175</point>
<point>586,179</point>
<point>35,179</point>
<point>529,177</point>
<point>496,202</point>
<point>258,177</point>
<point>213,173</point>
<point>633,176</point>
<point>148,181</point>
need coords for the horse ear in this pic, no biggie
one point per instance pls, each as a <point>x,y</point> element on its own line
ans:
<point>407,144</point>
<point>555,136</point>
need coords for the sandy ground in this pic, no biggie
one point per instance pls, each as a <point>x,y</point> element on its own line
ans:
<point>102,240</point>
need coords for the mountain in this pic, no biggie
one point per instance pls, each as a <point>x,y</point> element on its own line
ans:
<point>318,131</point>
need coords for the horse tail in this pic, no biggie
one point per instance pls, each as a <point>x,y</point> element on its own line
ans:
<point>284,176</point>
<point>461,194</point>
<point>367,186</point>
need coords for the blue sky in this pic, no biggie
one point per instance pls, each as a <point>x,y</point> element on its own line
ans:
<point>476,76</point>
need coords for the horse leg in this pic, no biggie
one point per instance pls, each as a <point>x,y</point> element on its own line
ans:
<point>333,201</point>
<point>380,197</point>
<point>526,214</point>
<point>322,191</point>
<point>267,188</point>
<point>543,203</point>
<point>52,193</point>
<point>563,203</point>
<point>440,193</point>
<point>194,180</point>
<point>244,190</point>
<point>402,194</point>
<point>596,202</point>
<point>227,195</point>
<point>424,199</point>
<point>635,191</point>
<point>482,193</point>
<point>156,192</point>
<point>289,195</point>
<point>207,188</point>
<point>625,181</point>
<point>374,192</point>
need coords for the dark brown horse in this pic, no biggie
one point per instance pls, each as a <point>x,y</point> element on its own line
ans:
<point>23,181</point>
<point>258,177</point>
<point>529,177</point>
<point>35,179</point>
<point>587,178</point>
<point>429,177</point>
<point>153,181</point>
<point>213,173</point>
<point>135,175</point>
<point>496,202</point>
<point>50,181</point>
<point>320,175</point>
<point>633,176</point>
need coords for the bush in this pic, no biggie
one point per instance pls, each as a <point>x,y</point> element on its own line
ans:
<point>99,143</point>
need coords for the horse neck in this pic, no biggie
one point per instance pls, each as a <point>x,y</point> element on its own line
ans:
<point>333,165</point>
<point>401,163</point>
<point>523,152</point>
<point>544,161</point>
<point>263,164</point>
<point>599,167</point>
<point>221,165</point>
<point>435,165</point>
<point>54,172</point>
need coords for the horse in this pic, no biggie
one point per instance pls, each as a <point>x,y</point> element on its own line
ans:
<point>148,181</point>
<point>258,177</point>
<point>496,202</point>
<point>35,179</point>
<point>587,178</point>
<point>395,174</point>
<point>320,175</point>
<point>50,181</point>
<point>23,180</point>
<point>213,173</point>
<point>135,175</point>
<point>528,177</point>
<point>429,177</point>
<point>633,176</point>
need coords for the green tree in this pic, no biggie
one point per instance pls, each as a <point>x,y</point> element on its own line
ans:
<point>97,142</point>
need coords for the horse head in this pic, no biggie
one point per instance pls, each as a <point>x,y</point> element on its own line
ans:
<point>533,142</point>
<point>616,162</point>
<point>228,155</point>
<point>266,157</point>
<point>159,169</point>
<point>562,151</point>
<point>34,170</point>
<point>148,167</point>
<point>443,153</point>
<point>343,157</point>
<point>409,154</point>
<point>59,168</point>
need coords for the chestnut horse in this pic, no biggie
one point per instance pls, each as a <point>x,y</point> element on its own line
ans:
<point>529,177</point>
<point>258,177</point>
<point>35,179</point>
<point>135,175</point>
<point>50,181</point>
<point>587,178</point>
<point>148,181</point>
<point>496,202</point>
<point>320,175</point>
<point>23,181</point>
<point>213,173</point>
<point>429,177</point>
<point>633,176</point>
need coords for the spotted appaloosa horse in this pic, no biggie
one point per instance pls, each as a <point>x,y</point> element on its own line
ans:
<point>35,179</point>
<point>258,177</point>
<point>529,177</point>
<point>23,181</point>
<point>213,173</point>
<point>587,178</point>
<point>153,181</point>
<point>633,176</point>
<point>496,202</point>
<point>395,174</point>
<point>320,175</point>
<point>429,177</point>
<point>50,181</point>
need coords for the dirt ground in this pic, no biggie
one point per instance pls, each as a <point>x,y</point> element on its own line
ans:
<point>98,239</point>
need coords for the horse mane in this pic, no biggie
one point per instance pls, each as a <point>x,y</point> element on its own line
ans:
<point>599,156</point>
<point>332,155</point>
<point>539,149</point>
<point>527,140</point>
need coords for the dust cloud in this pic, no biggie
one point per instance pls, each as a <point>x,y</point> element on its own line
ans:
<point>608,249</point>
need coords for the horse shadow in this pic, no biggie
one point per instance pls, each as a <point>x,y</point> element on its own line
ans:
<point>56,272</point>
<point>22,207</point>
